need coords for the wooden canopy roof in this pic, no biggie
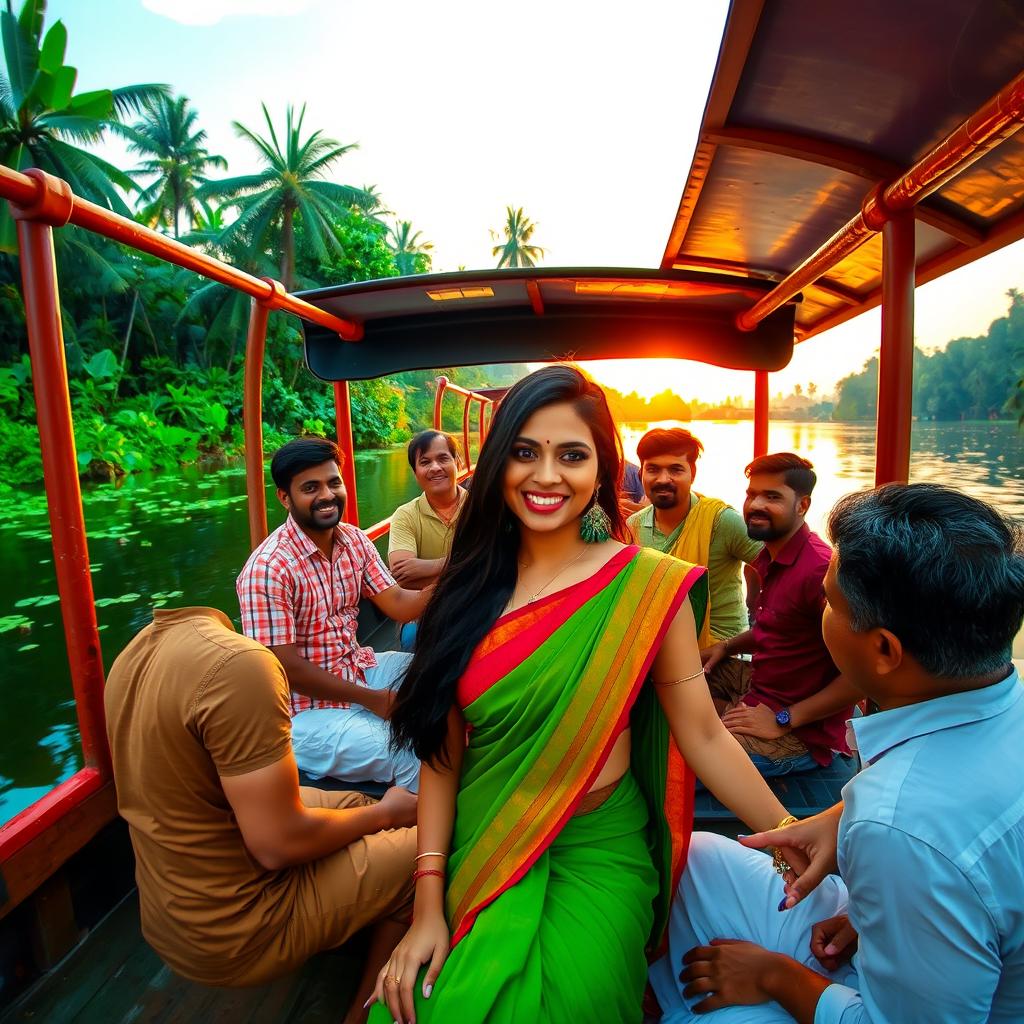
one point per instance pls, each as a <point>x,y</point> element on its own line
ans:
<point>812,104</point>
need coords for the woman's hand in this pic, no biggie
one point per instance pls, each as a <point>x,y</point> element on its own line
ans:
<point>427,941</point>
<point>809,845</point>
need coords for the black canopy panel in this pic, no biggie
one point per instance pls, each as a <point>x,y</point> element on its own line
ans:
<point>544,315</point>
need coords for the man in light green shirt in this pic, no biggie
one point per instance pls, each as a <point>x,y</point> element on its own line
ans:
<point>675,523</point>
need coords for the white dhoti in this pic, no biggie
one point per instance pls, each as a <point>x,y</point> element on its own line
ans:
<point>730,892</point>
<point>353,744</point>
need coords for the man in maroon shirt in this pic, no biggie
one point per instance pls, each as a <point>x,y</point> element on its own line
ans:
<point>788,707</point>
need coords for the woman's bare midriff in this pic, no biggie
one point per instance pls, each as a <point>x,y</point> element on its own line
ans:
<point>617,764</point>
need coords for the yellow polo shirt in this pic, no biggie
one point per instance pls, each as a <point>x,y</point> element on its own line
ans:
<point>416,527</point>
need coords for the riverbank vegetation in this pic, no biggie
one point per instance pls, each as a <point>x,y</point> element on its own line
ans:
<point>971,378</point>
<point>154,354</point>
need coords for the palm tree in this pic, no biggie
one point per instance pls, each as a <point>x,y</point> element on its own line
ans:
<point>177,160</point>
<point>44,124</point>
<point>516,251</point>
<point>406,246</point>
<point>290,183</point>
<point>372,207</point>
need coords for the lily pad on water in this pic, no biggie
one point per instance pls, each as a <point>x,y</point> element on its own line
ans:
<point>37,602</point>
<point>12,622</point>
<point>105,602</point>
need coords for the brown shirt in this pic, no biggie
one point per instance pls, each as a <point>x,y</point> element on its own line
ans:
<point>187,701</point>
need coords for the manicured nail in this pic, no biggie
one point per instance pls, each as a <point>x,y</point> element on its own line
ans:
<point>831,950</point>
<point>782,903</point>
<point>427,990</point>
<point>366,1005</point>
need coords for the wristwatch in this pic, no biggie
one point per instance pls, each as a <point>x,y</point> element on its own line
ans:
<point>783,718</point>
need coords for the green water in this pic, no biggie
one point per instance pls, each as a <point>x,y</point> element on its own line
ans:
<point>181,539</point>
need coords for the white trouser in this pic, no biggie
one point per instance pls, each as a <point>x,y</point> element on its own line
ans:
<point>352,744</point>
<point>730,892</point>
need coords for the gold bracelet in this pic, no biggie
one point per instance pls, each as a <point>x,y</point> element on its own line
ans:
<point>673,682</point>
<point>779,861</point>
<point>420,856</point>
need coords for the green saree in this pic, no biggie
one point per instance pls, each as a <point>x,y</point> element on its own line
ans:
<point>551,912</point>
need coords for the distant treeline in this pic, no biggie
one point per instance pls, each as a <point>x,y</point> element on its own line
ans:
<point>972,378</point>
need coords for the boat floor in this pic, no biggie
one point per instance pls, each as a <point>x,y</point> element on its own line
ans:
<point>114,977</point>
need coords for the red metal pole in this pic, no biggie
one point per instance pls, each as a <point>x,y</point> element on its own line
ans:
<point>343,420</point>
<point>442,384</point>
<point>60,473</point>
<point>896,358</point>
<point>993,123</point>
<point>483,417</point>
<point>760,413</point>
<point>467,404</point>
<point>252,420</point>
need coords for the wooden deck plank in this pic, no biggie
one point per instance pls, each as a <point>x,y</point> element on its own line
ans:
<point>114,977</point>
<point>60,996</point>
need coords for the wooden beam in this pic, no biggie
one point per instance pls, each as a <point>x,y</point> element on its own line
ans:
<point>848,159</point>
<point>732,58</point>
<point>40,858</point>
<point>1006,233</point>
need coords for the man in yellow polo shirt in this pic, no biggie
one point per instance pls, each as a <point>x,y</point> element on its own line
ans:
<point>421,529</point>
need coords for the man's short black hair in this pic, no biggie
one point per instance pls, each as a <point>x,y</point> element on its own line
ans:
<point>301,454</point>
<point>798,472</point>
<point>941,570</point>
<point>659,441</point>
<point>424,439</point>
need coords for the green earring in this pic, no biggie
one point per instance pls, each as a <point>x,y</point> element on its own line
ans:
<point>595,526</point>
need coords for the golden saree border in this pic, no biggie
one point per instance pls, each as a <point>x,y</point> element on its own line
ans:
<point>566,770</point>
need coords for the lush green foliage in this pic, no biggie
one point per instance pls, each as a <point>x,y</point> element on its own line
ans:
<point>44,123</point>
<point>972,378</point>
<point>154,353</point>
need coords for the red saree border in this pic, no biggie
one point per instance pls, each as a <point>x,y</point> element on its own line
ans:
<point>682,591</point>
<point>517,638</point>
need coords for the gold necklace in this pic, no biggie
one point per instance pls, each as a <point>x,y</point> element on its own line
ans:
<point>541,590</point>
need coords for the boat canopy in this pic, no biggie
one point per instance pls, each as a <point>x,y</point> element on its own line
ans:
<point>812,104</point>
<point>543,314</point>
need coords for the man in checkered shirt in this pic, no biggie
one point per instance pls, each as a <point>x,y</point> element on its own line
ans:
<point>299,593</point>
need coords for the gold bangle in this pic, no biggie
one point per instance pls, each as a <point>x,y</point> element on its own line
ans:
<point>685,679</point>
<point>420,856</point>
<point>779,861</point>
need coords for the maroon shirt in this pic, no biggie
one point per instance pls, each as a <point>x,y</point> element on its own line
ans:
<point>791,661</point>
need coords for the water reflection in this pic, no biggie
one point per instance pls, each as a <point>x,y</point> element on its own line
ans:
<point>180,539</point>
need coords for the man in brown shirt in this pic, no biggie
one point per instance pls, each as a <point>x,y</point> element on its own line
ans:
<point>242,875</point>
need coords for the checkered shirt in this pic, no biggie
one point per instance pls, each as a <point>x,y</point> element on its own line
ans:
<point>291,593</point>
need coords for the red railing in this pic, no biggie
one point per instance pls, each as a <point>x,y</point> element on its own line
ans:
<point>487,403</point>
<point>444,385</point>
<point>31,846</point>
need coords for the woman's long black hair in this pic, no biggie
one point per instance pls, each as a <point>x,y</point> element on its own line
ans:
<point>480,576</point>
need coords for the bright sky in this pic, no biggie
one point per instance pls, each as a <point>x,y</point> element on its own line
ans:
<point>583,113</point>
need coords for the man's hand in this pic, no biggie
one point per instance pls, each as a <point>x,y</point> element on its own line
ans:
<point>378,702</point>
<point>833,942</point>
<point>757,720</point>
<point>729,972</point>
<point>809,845</point>
<point>712,655</point>
<point>398,805</point>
